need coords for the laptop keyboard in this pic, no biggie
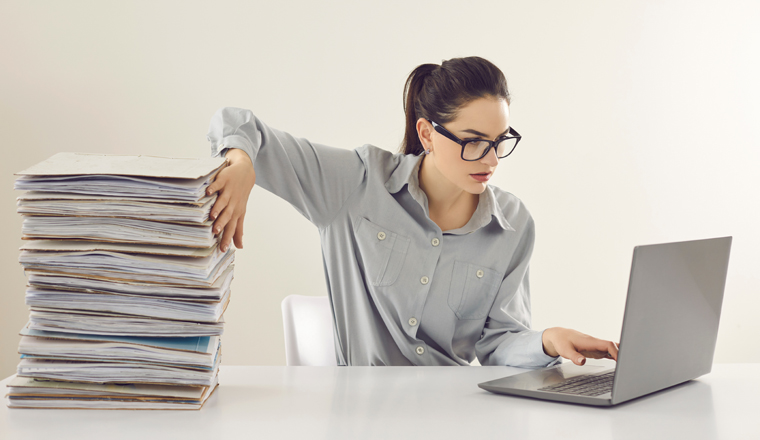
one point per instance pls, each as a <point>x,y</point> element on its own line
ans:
<point>586,385</point>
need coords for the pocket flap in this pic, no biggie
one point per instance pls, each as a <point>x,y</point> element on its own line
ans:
<point>472,290</point>
<point>382,250</point>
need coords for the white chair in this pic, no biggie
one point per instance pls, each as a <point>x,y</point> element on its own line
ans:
<point>308,324</point>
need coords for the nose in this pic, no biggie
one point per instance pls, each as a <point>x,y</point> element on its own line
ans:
<point>490,158</point>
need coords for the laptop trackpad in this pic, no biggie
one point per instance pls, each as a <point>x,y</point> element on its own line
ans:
<point>535,379</point>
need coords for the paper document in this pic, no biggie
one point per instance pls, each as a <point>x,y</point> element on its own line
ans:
<point>118,325</point>
<point>127,248</point>
<point>118,230</point>
<point>79,283</point>
<point>84,206</point>
<point>24,392</point>
<point>63,164</point>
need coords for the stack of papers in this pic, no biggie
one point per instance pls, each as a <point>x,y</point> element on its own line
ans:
<point>127,286</point>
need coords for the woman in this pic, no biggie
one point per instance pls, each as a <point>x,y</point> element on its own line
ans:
<point>426,264</point>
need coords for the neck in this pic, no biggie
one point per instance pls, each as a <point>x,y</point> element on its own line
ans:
<point>444,198</point>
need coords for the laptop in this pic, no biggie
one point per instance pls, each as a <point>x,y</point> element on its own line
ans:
<point>670,326</point>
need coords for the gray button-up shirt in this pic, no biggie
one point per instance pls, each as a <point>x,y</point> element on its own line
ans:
<point>402,291</point>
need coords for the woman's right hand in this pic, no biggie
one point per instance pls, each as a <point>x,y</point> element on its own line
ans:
<point>233,185</point>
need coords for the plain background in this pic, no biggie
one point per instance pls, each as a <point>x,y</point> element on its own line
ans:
<point>639,123</point>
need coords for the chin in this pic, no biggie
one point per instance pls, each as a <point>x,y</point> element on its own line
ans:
<point>476,187</point>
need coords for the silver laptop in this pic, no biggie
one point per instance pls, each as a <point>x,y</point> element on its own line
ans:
<point>670,326</point>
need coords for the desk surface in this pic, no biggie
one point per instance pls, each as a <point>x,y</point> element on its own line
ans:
<point>408,402</point>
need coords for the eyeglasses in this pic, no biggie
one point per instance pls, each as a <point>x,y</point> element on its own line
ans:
<point>476,149</point>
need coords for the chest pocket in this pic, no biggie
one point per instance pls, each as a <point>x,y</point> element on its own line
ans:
<point>472,291</point>
<point>382,250</point>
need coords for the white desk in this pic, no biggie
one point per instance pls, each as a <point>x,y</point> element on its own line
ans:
<point>409,402</point>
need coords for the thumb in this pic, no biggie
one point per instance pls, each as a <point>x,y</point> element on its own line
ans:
<point>574,356</point>
<point>578,359</point>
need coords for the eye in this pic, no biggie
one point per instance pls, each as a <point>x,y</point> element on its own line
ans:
<point>477,143</point>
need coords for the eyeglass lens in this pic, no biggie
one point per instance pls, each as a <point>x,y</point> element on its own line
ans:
<point>474,150</point>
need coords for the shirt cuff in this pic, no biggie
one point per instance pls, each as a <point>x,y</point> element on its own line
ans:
<point>235,141</point>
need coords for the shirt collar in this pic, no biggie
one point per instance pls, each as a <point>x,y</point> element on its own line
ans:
<point>407,173</point>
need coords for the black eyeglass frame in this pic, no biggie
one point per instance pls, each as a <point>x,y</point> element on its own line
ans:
<point>491,144</point>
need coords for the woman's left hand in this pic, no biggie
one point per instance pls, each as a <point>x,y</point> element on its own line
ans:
<point>576,346</point>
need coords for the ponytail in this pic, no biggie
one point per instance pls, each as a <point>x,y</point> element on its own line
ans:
<point>412,91</point>
<point>438,92</point>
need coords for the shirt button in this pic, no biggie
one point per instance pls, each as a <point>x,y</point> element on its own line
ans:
<point>420,350</point>
<point>436,242</point>
<point>381,235</point>
<point>412,321</point>
<point>479,273</point>
<point>424,280</point>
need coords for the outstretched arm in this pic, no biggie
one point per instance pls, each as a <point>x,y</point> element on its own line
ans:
<point>313,178</point>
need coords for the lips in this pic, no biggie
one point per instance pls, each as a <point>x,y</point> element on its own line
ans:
<point>481,177</point>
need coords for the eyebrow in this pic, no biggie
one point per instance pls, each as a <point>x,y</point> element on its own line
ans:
<point>477,133</point>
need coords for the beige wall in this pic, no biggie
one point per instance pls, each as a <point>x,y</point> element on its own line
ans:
<point>639,123</point>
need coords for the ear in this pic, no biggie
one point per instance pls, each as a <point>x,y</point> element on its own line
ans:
<point>425,132</point>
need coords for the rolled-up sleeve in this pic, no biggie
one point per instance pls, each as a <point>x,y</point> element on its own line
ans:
<point>507,338</point>
<point>315,179</point>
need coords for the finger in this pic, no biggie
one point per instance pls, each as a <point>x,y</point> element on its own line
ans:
<point>219,182</point>
<point>614,349</point>
<point>222,204</point>
<point>567,351</point>
<point>238,237</point>
<point>607,350</point>
<point>229,231</point>
<point>219,205</point>
<point>598,348</point>
<point>595,354</point>
<point>215,186</point>
<point>223,221</point>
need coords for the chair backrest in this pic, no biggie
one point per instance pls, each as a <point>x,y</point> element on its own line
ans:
<point>308,325</point>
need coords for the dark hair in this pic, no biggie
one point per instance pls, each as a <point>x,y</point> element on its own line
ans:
<point>438,92</point>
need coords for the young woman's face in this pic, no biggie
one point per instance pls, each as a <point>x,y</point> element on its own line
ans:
<point>484,118</point>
